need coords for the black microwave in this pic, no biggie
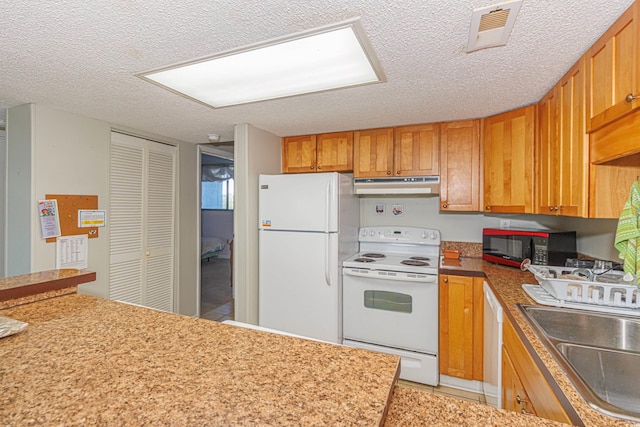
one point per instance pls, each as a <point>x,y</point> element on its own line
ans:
<point>542,247</point>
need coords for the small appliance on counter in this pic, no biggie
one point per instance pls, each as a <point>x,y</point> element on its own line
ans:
<point>543,247</point>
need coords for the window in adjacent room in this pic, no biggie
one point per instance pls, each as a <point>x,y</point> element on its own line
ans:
<point>217,185</point>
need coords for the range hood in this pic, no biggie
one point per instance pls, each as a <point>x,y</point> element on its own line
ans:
<point>398,185</point>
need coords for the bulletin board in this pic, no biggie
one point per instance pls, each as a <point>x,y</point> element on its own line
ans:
<point>68,206</point>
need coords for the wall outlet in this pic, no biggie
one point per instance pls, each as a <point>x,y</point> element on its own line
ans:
<point>505,223</point>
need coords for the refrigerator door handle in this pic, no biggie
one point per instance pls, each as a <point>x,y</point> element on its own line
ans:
<point>327,261</point>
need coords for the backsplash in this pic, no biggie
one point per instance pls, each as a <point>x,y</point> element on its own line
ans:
<point>467,249</point>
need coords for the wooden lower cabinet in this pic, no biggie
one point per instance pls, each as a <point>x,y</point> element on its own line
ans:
<point>524,387</point>
<point>461,327</point>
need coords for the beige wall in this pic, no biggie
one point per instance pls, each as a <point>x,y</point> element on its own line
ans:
<point>70,155</point>
<point>255,152</point>
<point>595,236</point>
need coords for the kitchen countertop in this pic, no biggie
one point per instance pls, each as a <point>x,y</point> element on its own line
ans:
<point>506,282</point>
<point>90,361</point>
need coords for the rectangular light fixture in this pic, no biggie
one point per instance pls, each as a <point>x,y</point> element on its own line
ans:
<point>323,59</point>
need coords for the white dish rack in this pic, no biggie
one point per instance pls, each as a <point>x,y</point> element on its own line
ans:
<point>621,294</point>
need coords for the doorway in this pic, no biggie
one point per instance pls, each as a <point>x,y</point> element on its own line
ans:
<point>216,236</point>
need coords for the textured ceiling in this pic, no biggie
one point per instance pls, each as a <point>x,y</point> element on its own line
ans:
<point>81,56</point>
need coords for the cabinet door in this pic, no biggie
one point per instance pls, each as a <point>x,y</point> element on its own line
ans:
<point>416,150</point>
<point>334,152</point>
<point>514,397</point>
<point>461,323</point>
<point>612,71</point>
<point>547,167</point>
<point>508,140</point>
<point>573,146</point>
<point>299,154</point>
<point>610,184</point>
<point>460,166</point>
<point>373,153</point>
<point>562,150</point>
<point>534,387</point>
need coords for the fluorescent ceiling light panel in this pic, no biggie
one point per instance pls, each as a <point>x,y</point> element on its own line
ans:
<point>320,60</point>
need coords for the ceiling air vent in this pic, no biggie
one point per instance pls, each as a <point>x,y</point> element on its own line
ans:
<point>491,25</point>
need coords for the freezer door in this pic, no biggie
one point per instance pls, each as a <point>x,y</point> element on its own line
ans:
<point>299,202</point>
<point>299,284</point>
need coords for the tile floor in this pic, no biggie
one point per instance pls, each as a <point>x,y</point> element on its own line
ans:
<point>216,293</point>
<point>220,313</point>
<point>445,391</point>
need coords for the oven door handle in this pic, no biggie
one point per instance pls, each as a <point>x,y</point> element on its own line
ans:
<point>389,275</point>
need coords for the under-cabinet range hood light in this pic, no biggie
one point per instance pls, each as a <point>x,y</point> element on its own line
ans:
<point>398,185</point>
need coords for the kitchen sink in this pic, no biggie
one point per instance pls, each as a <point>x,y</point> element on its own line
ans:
<point>600,353</point>
<point>584,327</point>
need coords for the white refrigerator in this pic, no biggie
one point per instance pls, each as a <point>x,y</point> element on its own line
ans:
<point>308,224</point>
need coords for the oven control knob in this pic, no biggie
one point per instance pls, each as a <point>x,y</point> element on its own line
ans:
<point>372,233</point>
<point>433,235</point>
<point>363,232</point>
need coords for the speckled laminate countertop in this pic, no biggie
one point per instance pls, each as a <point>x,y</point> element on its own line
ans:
<point>32,287</point>
<point>90,361</point>
<point>506,282</point>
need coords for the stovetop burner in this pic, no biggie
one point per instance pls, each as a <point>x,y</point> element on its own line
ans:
<point>420,258</point>
<point>414,262</point>
<point>374,255</point>
<point>364,260</point>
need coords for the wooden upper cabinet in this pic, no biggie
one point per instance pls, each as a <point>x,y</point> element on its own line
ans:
<point>613,71</point>
<point>373,153</point>
<point>299,154</point>
<point>334,152</point>
<point>416,150</point>
<point>562,154</point>
<point>460,166</point>
<point>508,146</point>
<point>329,152</point>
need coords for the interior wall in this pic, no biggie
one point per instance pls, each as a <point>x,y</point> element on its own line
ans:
<point>3,195</point>
<point>595,236</point>
<point>18,225</point>
<point>52,151</point>
<point>188,261</point>
<point>255,152</point>
<point>70,156</point>
<point>218,224</point>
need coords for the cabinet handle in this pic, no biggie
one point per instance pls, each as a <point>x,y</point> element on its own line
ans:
<point>445,280</point>
<point>445,206</point>
<point>397,172</point>
<point>319,167</point>
<point>524,412</point>
<point>488,208</point>
<point>520,400</point>
<point>311,167</point>
<point>388,172</point>
<point>630,97</point>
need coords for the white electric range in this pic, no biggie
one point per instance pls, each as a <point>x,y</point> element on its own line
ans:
<point>390,297</point>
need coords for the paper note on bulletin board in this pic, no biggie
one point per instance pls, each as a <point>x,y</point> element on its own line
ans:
<point>68,207</point>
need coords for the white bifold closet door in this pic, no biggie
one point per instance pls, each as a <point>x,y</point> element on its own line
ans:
<point>142,222</point>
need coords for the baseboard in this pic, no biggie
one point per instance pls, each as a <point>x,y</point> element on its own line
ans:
<point>467,385</point>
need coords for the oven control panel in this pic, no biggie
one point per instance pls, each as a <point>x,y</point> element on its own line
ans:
<point>410,235</point>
